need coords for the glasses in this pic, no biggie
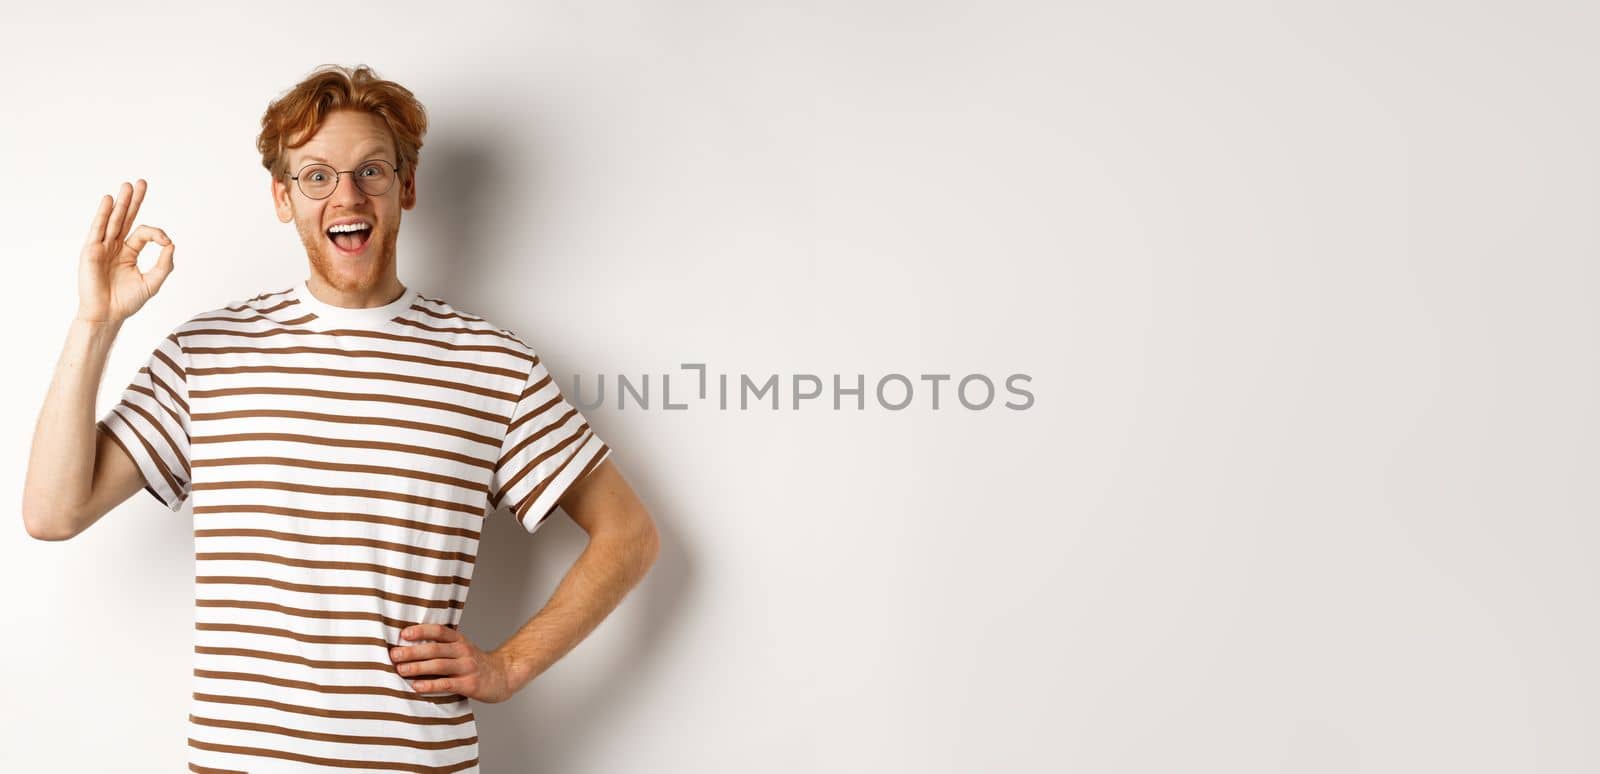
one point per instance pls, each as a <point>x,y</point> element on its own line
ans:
<point>317,181</point>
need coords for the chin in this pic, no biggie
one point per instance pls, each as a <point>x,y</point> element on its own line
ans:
<point>353,272</point>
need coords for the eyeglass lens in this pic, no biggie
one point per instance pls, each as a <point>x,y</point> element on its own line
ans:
<point>373,178</point>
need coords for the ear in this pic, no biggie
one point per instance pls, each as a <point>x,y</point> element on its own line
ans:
<point>408,191</point>
<point>280,201</point>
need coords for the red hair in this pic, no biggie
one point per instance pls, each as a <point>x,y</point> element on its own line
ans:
<point>296,115</point>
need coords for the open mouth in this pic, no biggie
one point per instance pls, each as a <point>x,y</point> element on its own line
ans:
<point>350,238</point>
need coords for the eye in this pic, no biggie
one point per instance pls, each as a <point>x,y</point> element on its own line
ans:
<point>317,176</point>
<point>371,170</point>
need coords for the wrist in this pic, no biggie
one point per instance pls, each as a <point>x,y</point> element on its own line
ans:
<point>107,324</point>
<point>98,333</point>
<point>517,669</point>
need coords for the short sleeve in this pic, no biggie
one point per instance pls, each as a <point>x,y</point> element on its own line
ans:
<point>151,422</point>
<point>548,447</point>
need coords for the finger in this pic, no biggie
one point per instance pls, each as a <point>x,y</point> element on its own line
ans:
<point>157,275</point>
<point>97,224</point>
<point>114,228</point>
<point>433,686</point>
<point>436,666</point>
<point>438,632</point>
<point>150,234</point>
<point>425,650</point>
<point>142,236</point>
<point>132,217</point>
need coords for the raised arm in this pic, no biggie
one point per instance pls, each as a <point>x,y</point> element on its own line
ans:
<point>74,476</point>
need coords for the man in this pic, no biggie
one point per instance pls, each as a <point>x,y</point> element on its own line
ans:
<point>343,439</point>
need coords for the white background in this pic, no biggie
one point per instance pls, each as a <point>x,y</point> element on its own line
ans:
<point>1305,290</point>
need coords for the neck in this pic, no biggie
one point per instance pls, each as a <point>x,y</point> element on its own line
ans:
<point>383,292</point>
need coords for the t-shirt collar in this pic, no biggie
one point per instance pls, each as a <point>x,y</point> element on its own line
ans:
<point>356,317</point>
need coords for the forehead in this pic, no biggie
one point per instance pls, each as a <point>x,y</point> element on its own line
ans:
<point>346,136</point>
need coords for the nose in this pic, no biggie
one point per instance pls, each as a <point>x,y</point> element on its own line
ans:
<point>345,191</point>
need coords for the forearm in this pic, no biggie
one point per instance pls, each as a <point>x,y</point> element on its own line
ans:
<point>609,567</point>
<point>61,462</point>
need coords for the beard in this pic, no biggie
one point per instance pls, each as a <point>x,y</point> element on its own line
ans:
<point>348,274</point>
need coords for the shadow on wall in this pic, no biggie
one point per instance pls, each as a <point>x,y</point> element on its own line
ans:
<point>457,185</point>
<point>460,187</point>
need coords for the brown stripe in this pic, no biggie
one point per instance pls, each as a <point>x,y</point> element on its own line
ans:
<point>473,331</point>
<point>533,388</point>
<point>388,765</point>
<point>374,494</point>
<point>324,615</point>
<point>326,639</point>
<point>198,769</point>
<point>319,736</point>
<point>216,650</point>
<point>261,315</point>
<point>395,521</point>
<point>343,690</point>
<point>454,315</point>
<point>347,467</point>
<point>323,540</point>
<point>404,357</point>
<point>443,384</point>
<point>241,556</point>
<point>317,588</point>
<point>257,317</point>
<point>402,319</point>
<point>286,303</point>
<point>268,294</point>
<point>420,720</point>
<point>348,443</point>
<point>349,419</point>
<point>371,397</point>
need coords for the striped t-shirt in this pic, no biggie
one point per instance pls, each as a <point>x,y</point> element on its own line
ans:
<point>342,462</point>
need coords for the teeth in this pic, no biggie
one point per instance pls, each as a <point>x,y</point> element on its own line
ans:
<point>348,227</point>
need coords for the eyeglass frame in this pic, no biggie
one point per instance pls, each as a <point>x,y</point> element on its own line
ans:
<point>337,172</point>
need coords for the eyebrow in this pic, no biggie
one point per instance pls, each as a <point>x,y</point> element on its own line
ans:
<point>370,154</point>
